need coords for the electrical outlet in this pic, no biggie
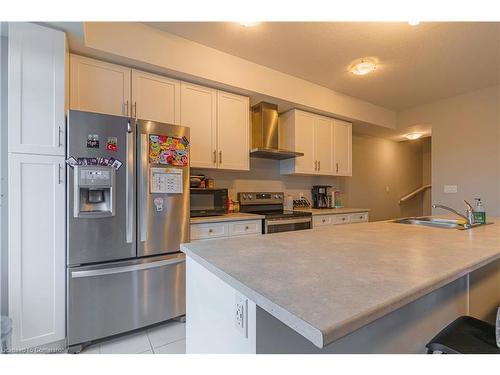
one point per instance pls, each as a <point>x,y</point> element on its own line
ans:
<point>450,189</point>
<point>240,314</point>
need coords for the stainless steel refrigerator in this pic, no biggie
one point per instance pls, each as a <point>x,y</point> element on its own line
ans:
<point>127,213</point>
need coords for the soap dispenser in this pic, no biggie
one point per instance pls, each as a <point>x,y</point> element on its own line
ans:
<point>480,213</point>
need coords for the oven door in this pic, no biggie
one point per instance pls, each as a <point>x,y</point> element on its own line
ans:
<point>208,202</point>
<point>287,224</point>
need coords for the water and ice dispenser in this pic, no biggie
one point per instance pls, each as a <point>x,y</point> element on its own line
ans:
<point>94,191</point>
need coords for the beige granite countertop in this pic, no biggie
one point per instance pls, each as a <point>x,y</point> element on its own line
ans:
<point>327,282</point>
<point>333,211</point>
<point>227,217</point>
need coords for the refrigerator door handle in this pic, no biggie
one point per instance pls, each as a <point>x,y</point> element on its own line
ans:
<point>143,187</point>
<point>129,186</point>
<point>122,269</point>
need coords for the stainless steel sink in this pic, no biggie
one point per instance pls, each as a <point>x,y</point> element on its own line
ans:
<point>436,222</point>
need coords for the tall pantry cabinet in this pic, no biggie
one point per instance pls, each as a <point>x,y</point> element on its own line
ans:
<point>36,184</point>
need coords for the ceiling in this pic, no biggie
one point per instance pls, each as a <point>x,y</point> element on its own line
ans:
<point>418,64</point>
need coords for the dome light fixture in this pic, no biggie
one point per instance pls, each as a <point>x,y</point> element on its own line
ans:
<point>413,136</point>
<point>413,22</point>
<point>363,66</point>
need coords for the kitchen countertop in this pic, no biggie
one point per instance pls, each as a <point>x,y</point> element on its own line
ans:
<point>227,217</point>
<point>333,211</point>
<point>330,281</point>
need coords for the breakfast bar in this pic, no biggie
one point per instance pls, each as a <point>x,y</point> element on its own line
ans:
<point>377,287</point>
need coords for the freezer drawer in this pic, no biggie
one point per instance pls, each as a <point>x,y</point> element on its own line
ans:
<point>108,299</point>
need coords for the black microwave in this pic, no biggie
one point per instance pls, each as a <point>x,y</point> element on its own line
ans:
<point>208,202</point>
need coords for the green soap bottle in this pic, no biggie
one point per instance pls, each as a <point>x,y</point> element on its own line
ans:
<point>480,213</point>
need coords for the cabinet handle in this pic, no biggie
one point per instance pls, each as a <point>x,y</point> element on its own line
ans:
<point>315,165</point>
<point>220,157</point>
<point>337,167</point>
<point>247,228</point>
<point>319,165</point>
<point>59,168</point>
<point>210,231</point>
<point>59,131</point>
<point>135,110</point>
<point>126,108</point>
<point>215,156</point>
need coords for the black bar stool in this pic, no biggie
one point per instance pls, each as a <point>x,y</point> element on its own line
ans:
<point>465,335</point>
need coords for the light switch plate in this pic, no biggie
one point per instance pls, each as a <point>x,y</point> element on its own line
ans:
<point>450,189</point>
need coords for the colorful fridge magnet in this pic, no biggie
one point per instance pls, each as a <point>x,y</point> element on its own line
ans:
<point>168,150</point>
<point>116,164</point>
<point>71,161</point>
<point>158,202</point>
<point>93,141</point>
<point>112,144</point>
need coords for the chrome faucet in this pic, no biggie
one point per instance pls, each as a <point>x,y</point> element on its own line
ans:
<point>469,213</point>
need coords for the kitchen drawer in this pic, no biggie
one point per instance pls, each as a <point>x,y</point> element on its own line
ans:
<point>341,219</point>
<point>322,220</point>
<point>209,230</point>
<point>242,228</point>
<point>360,217</point>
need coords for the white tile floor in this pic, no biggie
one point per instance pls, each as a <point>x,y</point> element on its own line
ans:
<point>168,338</point>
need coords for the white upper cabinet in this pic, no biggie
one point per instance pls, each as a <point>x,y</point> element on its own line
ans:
<point>199,113</point>
<point>324,145</point>
<point>37,263</point>
<point>342,148</point>
<point>297,134</point>
<point>219,127</point>
<point>97,86</point>
<point>156,98</point>
<point>314,135</point>
<point>36,89</point>
<point>233,116</point>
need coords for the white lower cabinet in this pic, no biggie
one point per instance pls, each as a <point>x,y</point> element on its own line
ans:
<point>334,219</point>
<point>36,243</point>
<point>225,229</point>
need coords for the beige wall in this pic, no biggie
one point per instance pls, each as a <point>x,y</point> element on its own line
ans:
<point>465,147</point>
<point>379,164</point>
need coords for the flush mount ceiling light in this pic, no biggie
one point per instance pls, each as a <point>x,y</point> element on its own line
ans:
<point>413,136</point>
<point>363,66</point>
<point>413,22</point>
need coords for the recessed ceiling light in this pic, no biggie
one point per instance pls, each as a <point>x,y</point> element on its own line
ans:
<point>413,22</point>
<point>363,66</point>
<point>413,136</point>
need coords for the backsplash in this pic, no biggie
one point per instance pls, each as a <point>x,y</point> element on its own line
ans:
<point>264,175</point>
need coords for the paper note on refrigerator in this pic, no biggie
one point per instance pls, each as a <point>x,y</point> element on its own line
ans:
<point>166,181</point>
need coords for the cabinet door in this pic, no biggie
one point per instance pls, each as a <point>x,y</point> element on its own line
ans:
<point>305,142</point>
<point>342,148</point>
<point>36,89</point>
<point>97,86</point>
<point>233,116</point>
<point>323,134</point>
<point>199,113</point>
<point>156,98</point>
<point>36,227</point>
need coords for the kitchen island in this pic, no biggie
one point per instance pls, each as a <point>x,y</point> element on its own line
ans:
<point>376,287</point>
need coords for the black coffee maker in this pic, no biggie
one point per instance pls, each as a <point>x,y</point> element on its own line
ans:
<point>322,196</point>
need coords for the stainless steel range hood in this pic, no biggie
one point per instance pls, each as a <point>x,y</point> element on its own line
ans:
<point>265,134</point>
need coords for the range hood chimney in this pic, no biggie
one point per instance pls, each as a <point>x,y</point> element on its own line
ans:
<point>265,134</point>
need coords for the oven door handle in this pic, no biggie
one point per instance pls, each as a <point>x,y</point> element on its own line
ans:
<point>289,221</point>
